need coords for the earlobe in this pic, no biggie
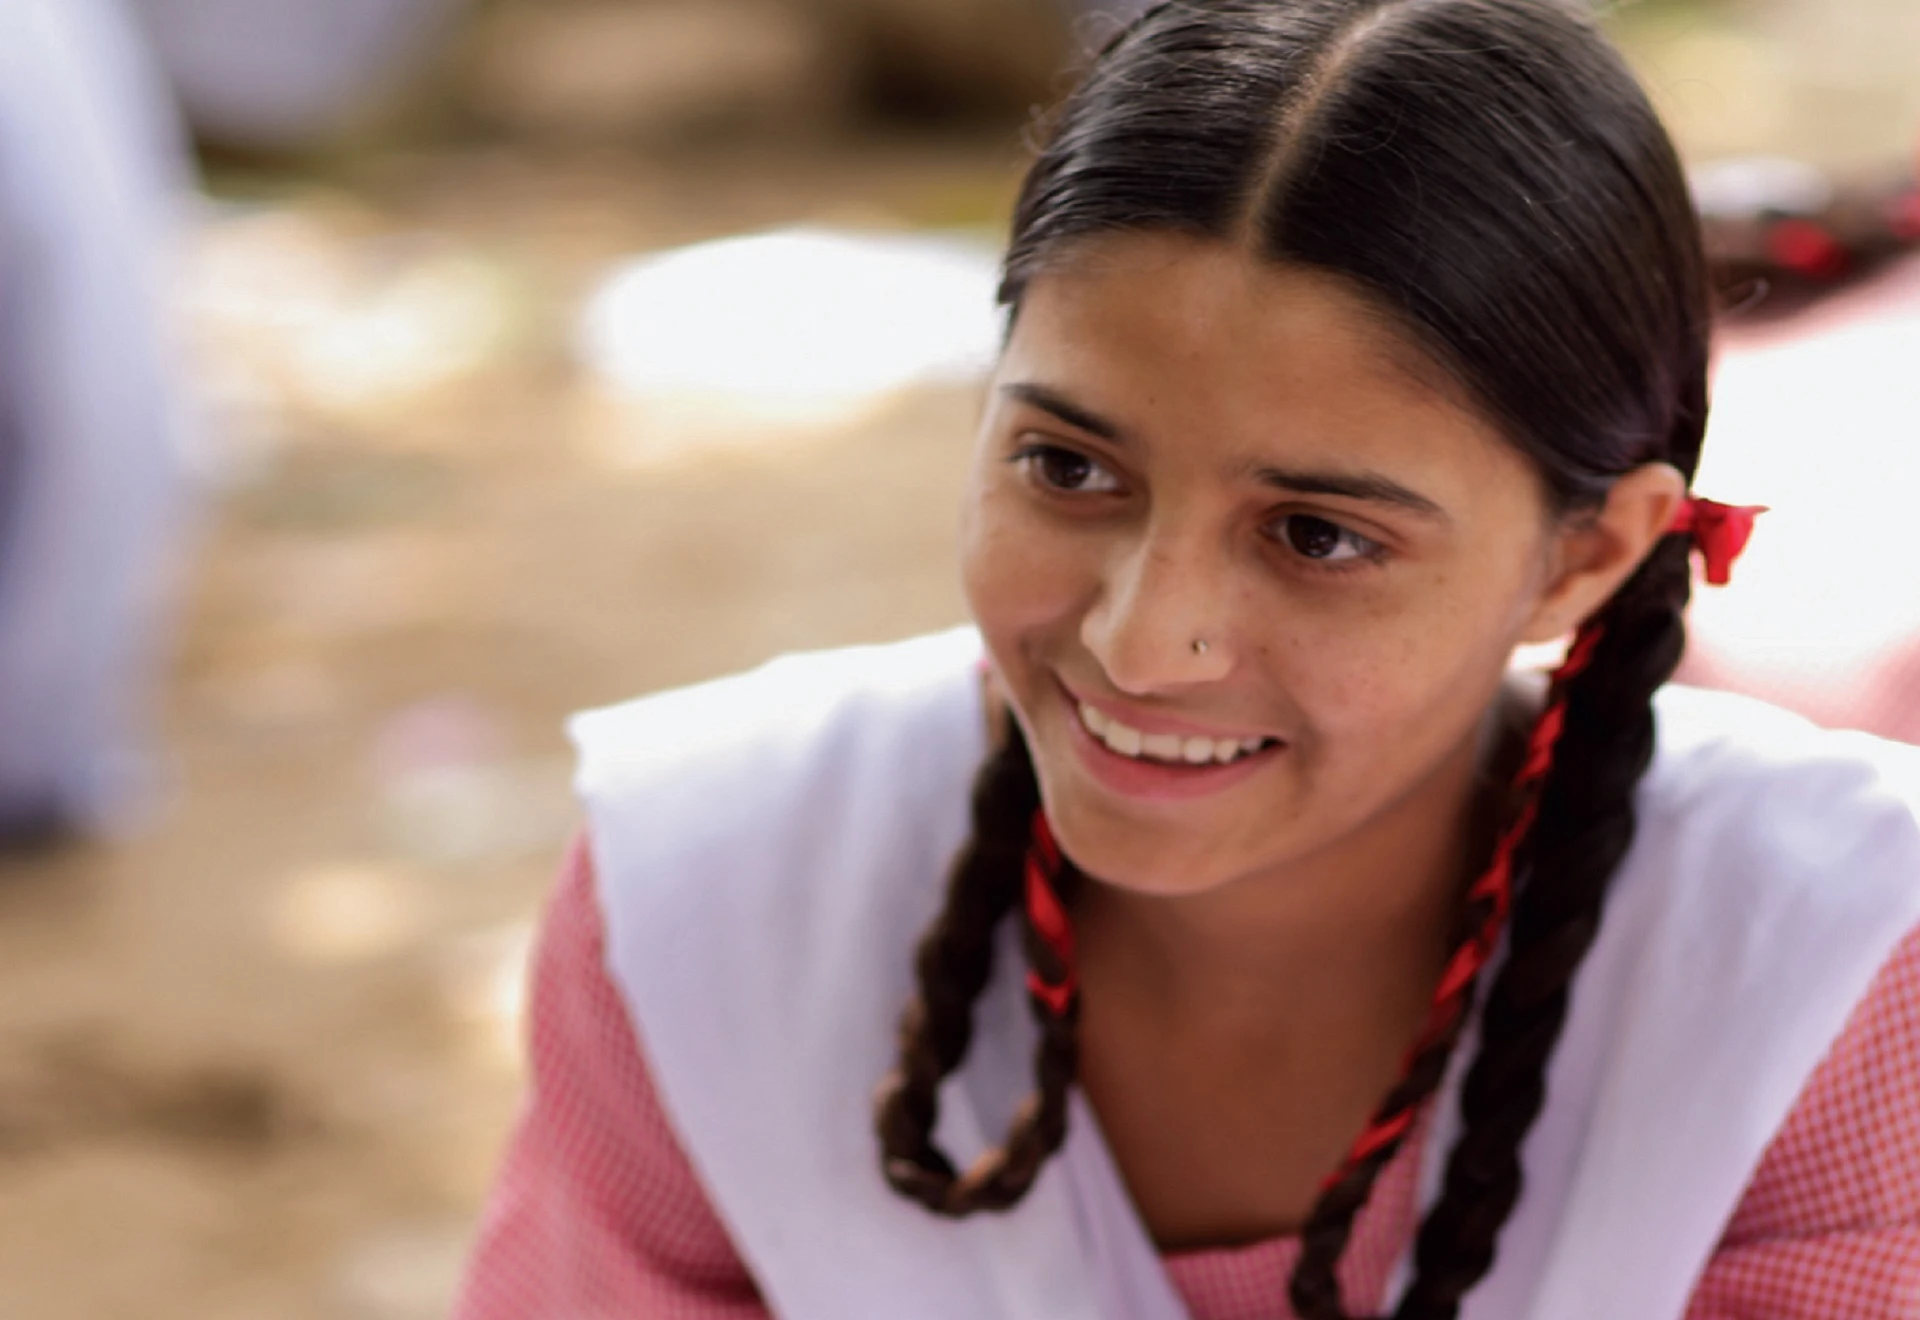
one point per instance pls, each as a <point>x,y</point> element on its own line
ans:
<point>1597,550</point>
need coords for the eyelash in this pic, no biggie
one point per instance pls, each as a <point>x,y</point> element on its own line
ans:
<point>1371,553</point>
<point>1031,458</point>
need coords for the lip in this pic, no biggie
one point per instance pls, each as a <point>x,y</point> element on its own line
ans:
<point>1154,781</point>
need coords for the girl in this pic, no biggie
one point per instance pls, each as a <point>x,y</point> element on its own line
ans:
<point>1353,344</point>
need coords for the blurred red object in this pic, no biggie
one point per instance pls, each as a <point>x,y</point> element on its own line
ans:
<point>1780,232</point>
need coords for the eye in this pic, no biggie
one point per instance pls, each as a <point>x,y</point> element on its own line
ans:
<point>1067,470</point>
<point>1323,541</point>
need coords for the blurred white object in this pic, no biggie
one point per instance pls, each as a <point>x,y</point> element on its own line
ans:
<point>345,913</point>
<point>450,795</point>
<point>1752,185</point>
<point>795,327</point>
<point>92,174</point>
<point>1817,417</point>
<point>285,74</point>
<point>406,1271</point>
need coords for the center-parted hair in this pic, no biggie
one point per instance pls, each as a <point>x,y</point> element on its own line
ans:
<point>1487,175</point>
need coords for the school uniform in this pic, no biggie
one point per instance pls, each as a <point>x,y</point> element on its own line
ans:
<point>1733,1123</point>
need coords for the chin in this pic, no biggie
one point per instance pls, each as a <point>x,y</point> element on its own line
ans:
<point>1159,858</point>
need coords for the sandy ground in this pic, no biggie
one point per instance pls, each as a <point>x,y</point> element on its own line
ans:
<point>257,1057</point>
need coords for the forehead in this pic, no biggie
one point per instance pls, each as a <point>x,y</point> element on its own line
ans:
<point>1187,338</point>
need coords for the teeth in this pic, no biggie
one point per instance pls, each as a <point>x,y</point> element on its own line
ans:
<point>1162,747</point>
<point>1168,747</point>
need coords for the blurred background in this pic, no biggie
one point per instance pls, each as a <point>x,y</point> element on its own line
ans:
<point>381,380</point>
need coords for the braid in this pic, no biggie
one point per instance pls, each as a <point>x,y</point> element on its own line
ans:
<point>1586,822</point>
<point>1314,1288</point>
<point>954,962</point>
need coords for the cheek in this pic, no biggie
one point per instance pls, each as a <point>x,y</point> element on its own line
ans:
<point>1403,683</point>
<point>1022,577</point>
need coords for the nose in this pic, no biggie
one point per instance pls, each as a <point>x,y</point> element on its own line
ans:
<point>1161,621</point>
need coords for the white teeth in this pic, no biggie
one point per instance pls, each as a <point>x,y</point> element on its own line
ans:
<point>1169,747</point>
<point>1096,722</point>
<point>1162,746</point>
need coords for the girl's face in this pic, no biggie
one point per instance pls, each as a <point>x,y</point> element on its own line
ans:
<point>1187,446</point>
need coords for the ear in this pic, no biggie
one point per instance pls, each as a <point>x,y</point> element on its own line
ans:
<point>1595,551</point>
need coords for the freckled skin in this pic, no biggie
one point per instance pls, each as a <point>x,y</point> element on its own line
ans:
<point>1257,960</point>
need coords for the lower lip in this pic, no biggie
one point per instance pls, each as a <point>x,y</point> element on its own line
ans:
<point>1158,781</point>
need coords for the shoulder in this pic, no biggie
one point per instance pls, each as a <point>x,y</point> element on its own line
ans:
<point>1765,842</point>
<point>795,709</point>
<point>1736,780</point>
<point>792,748</point>
<point>820,784</point>
<point>779,835</point>
<point>1707,735</point>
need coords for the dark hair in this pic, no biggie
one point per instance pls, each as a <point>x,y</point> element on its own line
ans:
<point>1490,176</point>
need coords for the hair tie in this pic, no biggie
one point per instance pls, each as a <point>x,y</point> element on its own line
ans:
<point>1719,531</point>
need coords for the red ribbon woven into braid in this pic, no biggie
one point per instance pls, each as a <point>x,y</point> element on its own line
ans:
<point>1049,920</point>
<point>1379,1135</point>
<point>1494,888</point>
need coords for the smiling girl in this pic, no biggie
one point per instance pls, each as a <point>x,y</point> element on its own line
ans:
<point>1296,956</point>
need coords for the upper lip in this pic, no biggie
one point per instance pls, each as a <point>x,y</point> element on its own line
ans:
<point>1152,722</point>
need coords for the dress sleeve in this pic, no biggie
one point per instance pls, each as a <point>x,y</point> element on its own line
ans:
<point>596,1210</point>
<point>1829,1228</point>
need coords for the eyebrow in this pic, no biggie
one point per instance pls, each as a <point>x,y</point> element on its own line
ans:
<point>1050,401</point>
<point>1369,486</point>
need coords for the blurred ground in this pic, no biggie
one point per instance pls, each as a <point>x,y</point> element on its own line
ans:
<point>256,1060</point>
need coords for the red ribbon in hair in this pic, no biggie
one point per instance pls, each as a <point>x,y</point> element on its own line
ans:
<point>1049,920</point>
<point>1719,531</point>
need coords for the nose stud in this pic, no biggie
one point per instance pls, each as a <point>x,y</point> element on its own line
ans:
<point>1200,646</point>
